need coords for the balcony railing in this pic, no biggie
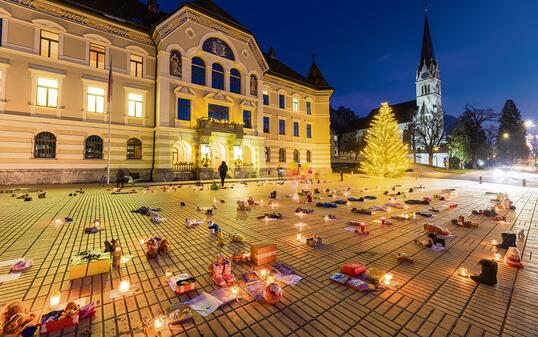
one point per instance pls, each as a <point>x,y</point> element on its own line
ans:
<point>183,166</point>
<point>206,125</point>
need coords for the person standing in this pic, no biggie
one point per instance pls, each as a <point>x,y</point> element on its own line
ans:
<point>279,172</point>
<point>223,170</point>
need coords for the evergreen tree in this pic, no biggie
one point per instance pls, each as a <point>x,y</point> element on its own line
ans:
<point>511,141</point>
<point>385,153</point>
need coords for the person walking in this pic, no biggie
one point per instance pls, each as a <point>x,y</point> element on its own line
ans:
<point>279,172</point>
<point>223,170</point>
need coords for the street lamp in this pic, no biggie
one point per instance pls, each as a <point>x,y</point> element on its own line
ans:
<point>506,135</point>
<point>529,124</point>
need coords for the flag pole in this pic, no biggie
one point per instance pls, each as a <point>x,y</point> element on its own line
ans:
<point>109,111</point>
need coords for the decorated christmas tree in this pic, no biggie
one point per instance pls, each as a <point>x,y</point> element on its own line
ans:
<point>385,153</point>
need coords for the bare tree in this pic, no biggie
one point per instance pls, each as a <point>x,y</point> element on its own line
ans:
<point>429,132</point>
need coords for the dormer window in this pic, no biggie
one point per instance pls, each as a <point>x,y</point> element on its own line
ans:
<point>49,44</point>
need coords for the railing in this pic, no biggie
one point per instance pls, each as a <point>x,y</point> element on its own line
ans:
<point>183,166</point>
<point>210,125</point>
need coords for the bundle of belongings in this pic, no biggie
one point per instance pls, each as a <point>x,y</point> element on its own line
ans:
<point>156,246</point>
<point>358,277</point>
<point>152,213</point>
<point>326,205</point>
<point>424,201</point>
<point>270,216</point>
<point>361,211</point>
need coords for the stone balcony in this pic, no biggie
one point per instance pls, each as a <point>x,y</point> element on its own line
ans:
<point>208,126</point>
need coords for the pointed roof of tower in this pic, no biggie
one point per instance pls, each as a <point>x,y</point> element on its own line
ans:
<point>428,56</point>
<point>316,77</point>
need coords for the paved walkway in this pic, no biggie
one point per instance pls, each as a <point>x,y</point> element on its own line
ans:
<point>429,299</point>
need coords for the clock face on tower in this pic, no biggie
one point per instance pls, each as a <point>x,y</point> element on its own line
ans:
<point>424,76</point>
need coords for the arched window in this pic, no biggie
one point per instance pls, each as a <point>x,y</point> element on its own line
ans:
<point>198,71</point>
<point>235,81</point>
<point>282,155</point>
<point>134,148</point>
<point>308,156</point>
<point>253,85</point>
<point>217,81</point>
<point>296,156</point>
<point>267,153</point>
<point>176,63</point>
<point>45,145</point>
<point>93,148</point>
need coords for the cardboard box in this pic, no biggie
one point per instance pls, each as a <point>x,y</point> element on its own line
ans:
<point>263,253</point>
<point>94,267</point>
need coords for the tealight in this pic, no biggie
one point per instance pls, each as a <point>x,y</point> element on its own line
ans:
<point>168,273</point>
<point>299,237</point>
<point>493,242</point>
<point>235,290</point>
<point>263,273</point>
<point>158,323</point>
<point>497,257</point>
<point>55,299</point>
<point>142,241</point>
<point>58,221</point>
<point>270,279</point>
<point>124,286</point>
<point>463,272</point>
<point>387,278</point>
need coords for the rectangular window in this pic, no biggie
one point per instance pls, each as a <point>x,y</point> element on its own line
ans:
<point>265,97</point>
<point>281,127</point>
<point>282,101</point>
<point>296,129</point>
<point>1,31</point>
<point>97,56</point>
<point>183,109</point>
<point>308,108</point>
<point>308,131</point>
<point>247,119</point>
<point>266,124</point>
<point>49,44</point>
<point>96,99</point>
<point>218,112</point>
<point>136,65</point>
<point>135,103</point>
<point>295,105</point>
<point>47,92</point>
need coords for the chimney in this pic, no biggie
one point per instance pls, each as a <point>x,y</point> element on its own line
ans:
<point>272,53</point>
<point>153,6</point>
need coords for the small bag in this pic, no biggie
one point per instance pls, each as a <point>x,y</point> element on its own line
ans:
<point>185,285</point>
<point>353,268</point>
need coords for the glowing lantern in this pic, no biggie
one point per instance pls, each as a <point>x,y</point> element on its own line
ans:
<point>55,299</point>
<point>124,286</point>
<point>463,272</point>
<point>387,278</point>
<point>158,323</point>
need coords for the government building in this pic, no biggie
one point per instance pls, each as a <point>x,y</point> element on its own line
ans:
<point>189,89</point>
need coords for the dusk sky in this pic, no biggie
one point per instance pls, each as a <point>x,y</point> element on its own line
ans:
<point>369,50</point>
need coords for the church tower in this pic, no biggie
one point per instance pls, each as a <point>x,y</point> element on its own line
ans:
<point>428,78</point>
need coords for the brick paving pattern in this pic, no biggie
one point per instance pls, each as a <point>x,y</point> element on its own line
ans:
<point>429,298</point>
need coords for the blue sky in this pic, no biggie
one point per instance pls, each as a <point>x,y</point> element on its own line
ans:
<point>369,50</point>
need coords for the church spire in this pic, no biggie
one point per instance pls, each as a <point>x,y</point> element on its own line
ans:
<point>427,56</point>
<point>315,76</point>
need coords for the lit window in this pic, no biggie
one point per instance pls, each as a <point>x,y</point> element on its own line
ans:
<point>183,109</point>
<point>295,105</point>
<point>235,81</point>
<point>266,124</point>
<point>296,129</point>
<point>281,127</point>
<point>136,65</point>
<point>247,119</point>
<point>282,101</point>
<point>96,99</point>
<point>49,44</point>
<point>97,56</point>
<point>135,103</point>
<point>265,97</point>
<point>308,108</point>
<point>47,92</point>
<point>134,149</point>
